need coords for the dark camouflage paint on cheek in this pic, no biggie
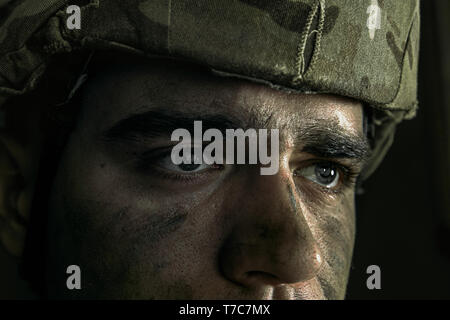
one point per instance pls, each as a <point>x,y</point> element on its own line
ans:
<point>333,228</point>
<point>110,244</point>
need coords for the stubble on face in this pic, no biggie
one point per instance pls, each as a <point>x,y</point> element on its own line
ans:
<point>138,233</point>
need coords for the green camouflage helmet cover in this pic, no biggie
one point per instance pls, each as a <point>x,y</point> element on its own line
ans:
<point>363,49</point>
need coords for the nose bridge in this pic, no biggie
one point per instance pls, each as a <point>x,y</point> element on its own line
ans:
<point>271,240</point>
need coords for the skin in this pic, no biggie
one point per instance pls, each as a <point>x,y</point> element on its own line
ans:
<point>139,230</point>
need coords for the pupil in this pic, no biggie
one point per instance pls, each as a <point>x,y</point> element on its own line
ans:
<point>188,167</point>
<point>325,173</point>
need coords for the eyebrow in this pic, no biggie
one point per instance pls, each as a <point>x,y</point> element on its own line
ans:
<point>328,140</point>
<point>157,123</point>
<point>322,138</point>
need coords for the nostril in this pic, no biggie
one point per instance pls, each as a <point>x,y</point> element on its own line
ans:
<point>259,277</point>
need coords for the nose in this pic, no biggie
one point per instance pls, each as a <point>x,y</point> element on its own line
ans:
<point>270,242</point>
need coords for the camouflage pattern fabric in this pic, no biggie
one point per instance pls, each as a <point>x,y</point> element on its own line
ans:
<point>365,49</point>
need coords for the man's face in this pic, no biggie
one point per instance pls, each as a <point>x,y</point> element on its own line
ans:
<point>141,227</point>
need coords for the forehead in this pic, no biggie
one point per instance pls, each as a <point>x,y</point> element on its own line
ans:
<point>117,91</point>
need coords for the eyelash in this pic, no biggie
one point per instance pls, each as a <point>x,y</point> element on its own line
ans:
<point>180,177</point>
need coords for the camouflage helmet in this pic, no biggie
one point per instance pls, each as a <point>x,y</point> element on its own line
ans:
<point>365,49</point>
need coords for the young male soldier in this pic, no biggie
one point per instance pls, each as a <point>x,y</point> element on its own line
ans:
<point>87,177</point>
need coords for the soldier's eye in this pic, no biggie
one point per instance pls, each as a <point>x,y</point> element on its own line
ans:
<point>166,163</point>
<point>163,164</point>
<point>325,173</point>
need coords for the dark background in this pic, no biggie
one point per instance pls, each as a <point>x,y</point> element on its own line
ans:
<point>403,218</point>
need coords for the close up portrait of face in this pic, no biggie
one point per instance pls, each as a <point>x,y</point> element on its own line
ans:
<point>224,150</point>
<point>139,226</point>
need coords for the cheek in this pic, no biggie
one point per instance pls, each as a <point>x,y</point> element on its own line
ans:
<point>124,234</point>
<point>334,229</point>
<point>331,218</point>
